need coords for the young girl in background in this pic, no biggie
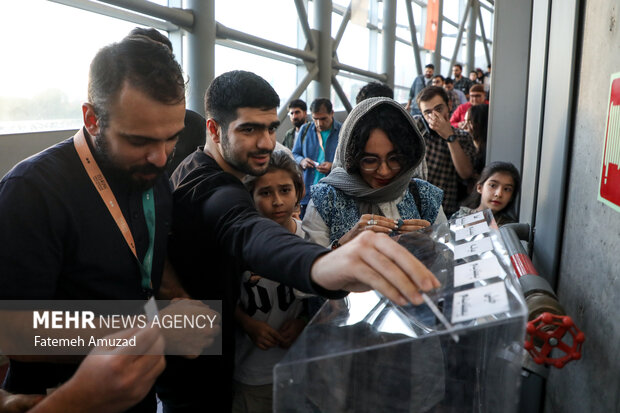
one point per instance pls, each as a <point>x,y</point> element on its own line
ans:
<point>268,312</point>
<point>496,190</point>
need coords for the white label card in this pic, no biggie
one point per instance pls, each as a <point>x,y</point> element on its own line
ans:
<point>472,248</point>
<point>479,302</point>
<point>478,216</point>
<point>481,228</point>
<point>477,270</point>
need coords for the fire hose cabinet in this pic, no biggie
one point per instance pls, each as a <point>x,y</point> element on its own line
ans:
<point>460,351</point>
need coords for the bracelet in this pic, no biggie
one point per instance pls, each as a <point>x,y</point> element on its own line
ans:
<point>335,244</point>
<point>451,138</point>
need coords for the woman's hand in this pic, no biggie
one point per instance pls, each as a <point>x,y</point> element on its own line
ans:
<point>370,222</point>
<point>410,225</point>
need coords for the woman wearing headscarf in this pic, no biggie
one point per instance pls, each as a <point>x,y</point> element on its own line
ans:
<point>371,185</point>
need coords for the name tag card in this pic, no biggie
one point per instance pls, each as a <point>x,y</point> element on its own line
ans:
<point>478,216</point>
<point>472,248</point>
<point>481,228</point>
<point>477,270</point>
<point>479,302</point>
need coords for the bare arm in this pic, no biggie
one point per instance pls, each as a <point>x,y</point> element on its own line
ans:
<point>461,161</point>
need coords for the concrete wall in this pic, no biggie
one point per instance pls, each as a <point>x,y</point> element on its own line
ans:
<point>590,259</point>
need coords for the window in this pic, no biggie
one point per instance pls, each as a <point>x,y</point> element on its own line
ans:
<point>44,78</point>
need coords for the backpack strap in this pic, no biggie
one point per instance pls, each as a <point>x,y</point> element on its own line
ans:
<point>303,135</point>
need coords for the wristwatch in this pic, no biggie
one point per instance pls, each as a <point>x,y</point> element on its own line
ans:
<point>451,138</point>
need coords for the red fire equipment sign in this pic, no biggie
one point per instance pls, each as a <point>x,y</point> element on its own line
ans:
<point>609,190</point>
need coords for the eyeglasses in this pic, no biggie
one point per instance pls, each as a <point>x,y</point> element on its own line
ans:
<point>438,109</point>
<point>373,163</point>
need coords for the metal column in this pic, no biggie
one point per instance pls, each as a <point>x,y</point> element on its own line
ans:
<point>323,23</point>
<point>511,51</point>
<point>471,38</point>
<point>414,38</point>
<point>437,52</point>
<point>201,52</point>
<point>389,39</point>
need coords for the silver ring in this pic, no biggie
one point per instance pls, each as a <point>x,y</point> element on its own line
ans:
<point>371,222</point>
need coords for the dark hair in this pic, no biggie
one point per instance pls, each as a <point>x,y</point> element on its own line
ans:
<point>321,103</point>
<point>146,65</point>
<point>298,103</point>
<point>460,66</point>
<point>152,34</point>
<point>374,90</point>
<point>449,81</point>
<point>473,201</point>
<point>479,118</point>
<point>237,89</point>
<point>280,160</point>
<point>430,66</point>
<point>443,79</point>
<point>396,126</point>
<point>430,92</point>
<point>477,88</point>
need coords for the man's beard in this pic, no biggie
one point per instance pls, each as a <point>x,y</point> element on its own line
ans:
<point>107,162</point>
<point>298,122</point>
<point>242,165</point>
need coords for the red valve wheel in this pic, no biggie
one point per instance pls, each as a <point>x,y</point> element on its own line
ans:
<point>546,332</point>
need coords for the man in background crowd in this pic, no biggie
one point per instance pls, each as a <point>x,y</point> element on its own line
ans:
<point>460,82</point>
<point>315,151</point>
<point>419,83</point>
<point>449,151</point>
<point>297,113</point>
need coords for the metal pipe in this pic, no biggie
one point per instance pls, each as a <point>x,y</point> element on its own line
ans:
<point>180,17</point>
<point>484,37</point>
<point>117,13</point>
<point>303,20</point>
<point>244,47</point>
<point>372,75</point>
<point>298,91</point>
<point>389,40</point>
<point>489,8</point>
<point>459,37</point>
<point>343,97</point>
<point>201,53</point>
<point>343,26</point>
<point>373,35</point>
<point>224,32</point>
<point>414,37</point>
<point>323,22</point>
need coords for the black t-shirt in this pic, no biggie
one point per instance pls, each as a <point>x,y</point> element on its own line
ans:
<point>216,235</point>
<point>192,137</point>
<point>59,241</point>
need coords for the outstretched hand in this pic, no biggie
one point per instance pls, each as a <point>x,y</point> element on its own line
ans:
<point>375,261</point>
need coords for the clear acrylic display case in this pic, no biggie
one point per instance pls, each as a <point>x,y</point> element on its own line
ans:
<point>366,354</point>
